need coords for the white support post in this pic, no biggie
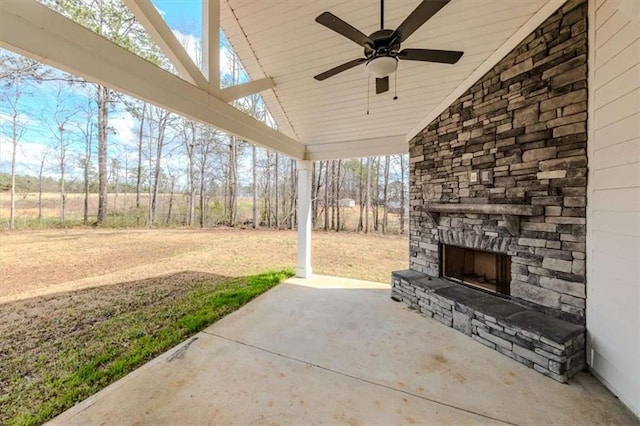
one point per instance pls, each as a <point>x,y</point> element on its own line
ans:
<point>211,43</point>
<point>303,268</point>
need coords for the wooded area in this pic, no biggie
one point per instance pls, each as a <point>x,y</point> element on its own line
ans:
<point>191,169</point>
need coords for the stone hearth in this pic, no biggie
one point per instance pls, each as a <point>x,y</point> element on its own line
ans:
<point>551,346</point>
<point>504,170</point>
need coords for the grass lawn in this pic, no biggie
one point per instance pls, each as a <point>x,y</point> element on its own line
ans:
<point>80,308</point>
<point>58,349</point>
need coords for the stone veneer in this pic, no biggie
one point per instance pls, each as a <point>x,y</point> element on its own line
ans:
<point>526,122</point>
<point>551,346</point>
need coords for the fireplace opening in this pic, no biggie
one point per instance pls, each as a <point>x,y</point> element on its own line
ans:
<point>485,270</point>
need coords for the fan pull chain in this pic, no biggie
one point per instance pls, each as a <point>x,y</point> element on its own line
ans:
<point>368,92</point>
<point>395,86</point>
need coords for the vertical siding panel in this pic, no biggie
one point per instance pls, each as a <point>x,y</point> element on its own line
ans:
<point>613,212</point>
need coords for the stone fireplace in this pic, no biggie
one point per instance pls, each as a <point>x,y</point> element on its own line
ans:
<point>498,196</point>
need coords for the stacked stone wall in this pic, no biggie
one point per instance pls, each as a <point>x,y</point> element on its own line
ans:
<point>524,122</point>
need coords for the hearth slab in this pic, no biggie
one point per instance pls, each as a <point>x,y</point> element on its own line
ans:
<point>409,274</point>
<point>495,306</point>
<point>546,326</point>
<point>433,283</point>
<point>459,293</point>
<point>551,346</point>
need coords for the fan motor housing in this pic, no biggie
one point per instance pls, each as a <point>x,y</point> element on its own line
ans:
<point>381,47</point>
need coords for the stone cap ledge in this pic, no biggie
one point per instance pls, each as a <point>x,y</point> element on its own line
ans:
<point>504,310</point>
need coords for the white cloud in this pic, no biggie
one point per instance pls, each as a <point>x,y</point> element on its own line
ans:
<point>28,157</point>
<point>124,125</point>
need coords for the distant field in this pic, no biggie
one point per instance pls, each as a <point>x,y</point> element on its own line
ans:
<point>123,213</point>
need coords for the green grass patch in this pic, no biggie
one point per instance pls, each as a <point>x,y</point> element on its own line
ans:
<point>87,361</point>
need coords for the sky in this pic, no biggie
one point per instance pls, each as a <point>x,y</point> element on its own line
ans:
<point>182,15</point>
<point>39,104</point>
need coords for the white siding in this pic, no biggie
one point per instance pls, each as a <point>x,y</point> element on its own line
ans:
<point>613,212</point>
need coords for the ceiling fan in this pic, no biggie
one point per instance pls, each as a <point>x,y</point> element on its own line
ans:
<point>382,47</point>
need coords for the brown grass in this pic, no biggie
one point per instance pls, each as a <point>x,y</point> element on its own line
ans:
<point>34,263</point>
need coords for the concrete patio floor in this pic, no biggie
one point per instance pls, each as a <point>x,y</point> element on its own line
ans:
<point>336,351</point>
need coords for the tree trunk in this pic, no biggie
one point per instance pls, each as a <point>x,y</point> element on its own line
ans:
<point>402,201</point>
<point>254,172</point>
<point>63,195</point>
<point>367,197</point>
<point>338,197</point>
<point>203,210</point>
<point>267,199</point>
<point>87,163</point>
<point>173,185</point>
<point>162,125</point>
<point>292,217</point>
<point>14,144</point>
<point>326,196</point>
<point>277,192</point>
<point>233,180</point>
<point>103,122</point>
<point>361,193</point>
<point>140,138</point>
<point>314,195</point>
<point>332,199</point>
<point>191,178</point>
<point>376,216</point>
<point>385,195</point>
<point>40,174</point>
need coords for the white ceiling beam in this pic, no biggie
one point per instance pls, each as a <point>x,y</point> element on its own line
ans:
<point>160,32</point>
<point>512,42</point>
<point>232,93</point>
<point>38,32</point>
<point>211,43</point>
<point>387,145</point>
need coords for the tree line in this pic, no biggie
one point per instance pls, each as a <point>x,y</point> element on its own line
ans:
<point>175,170</point>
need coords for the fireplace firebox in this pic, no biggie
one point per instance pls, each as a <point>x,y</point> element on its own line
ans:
<point>481,269</point>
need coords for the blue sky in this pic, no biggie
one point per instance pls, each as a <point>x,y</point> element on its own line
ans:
<point>182,15</point>
<point>38,106</point>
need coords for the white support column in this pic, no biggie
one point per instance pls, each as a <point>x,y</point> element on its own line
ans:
<point>303,267</point>
<point>211,43</point>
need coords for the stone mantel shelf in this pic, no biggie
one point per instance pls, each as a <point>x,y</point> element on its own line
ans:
<point>508,209</point>
<point>510,212</point>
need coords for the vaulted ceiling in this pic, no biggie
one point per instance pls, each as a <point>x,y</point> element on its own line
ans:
<point>281,40</point>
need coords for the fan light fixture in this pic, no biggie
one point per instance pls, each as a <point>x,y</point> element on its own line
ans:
<point>382,66</point>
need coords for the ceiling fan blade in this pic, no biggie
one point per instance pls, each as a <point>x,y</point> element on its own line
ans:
<point>419,16</point>
<point>382,85</point>
<point>336,24</point>
<point>339,69</point>
<point>431,55</point>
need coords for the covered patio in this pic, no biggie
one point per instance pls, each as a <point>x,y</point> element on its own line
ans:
<point>328,350</point>
<point>529,146</point>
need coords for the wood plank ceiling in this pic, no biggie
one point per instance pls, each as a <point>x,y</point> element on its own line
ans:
<point>280,39</point>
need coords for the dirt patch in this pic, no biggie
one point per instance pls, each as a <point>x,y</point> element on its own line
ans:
<point>34,263</point>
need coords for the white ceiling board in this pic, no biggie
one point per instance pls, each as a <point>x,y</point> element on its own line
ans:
<point>280,39</point>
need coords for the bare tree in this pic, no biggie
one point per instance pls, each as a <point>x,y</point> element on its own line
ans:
<point>15,72</point>
<point>141,118</point>
<point>61,122</point>
<point>385,195</point>
<point>188,131</point>
<point>254,184</point>
<point>87,131</point>
<point>402,191</point>
<point>367,197</point>
<point>161,119</point>
<point>41,164</point>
